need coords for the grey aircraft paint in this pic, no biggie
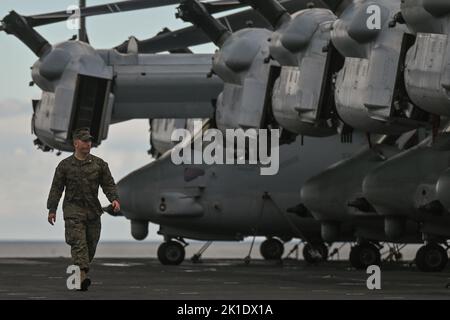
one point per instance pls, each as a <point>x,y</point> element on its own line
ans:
<point>225,201</point>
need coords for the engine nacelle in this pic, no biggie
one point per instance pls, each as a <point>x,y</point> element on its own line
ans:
<point>443,189</point>
<point>161,131</point>
<point>160,134</point>
<point>426,16</point>
<point>303,97</point>
<point>427,74</point>
<point>242,63</point>
<point>370,93</point>
<point>76,93</point>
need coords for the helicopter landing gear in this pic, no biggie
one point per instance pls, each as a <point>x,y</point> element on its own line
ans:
<point>272,249</point>
<point>315,252</point>
<point>364,255</point>
<point>196,258</point>
<point>171,253</point>
<point>431,258</point>
<point>395,252</point>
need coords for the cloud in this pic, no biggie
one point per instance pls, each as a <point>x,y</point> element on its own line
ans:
<point>15,108</point>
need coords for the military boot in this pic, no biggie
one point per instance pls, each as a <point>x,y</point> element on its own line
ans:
<point>84,280</point>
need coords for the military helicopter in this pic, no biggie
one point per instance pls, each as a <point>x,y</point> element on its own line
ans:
<point>193,11</point>
<point>402,188</point>
<point>229,203</point>
<point>375,92</point>
<point>375,191</point>
<point>94,88</point>
<point>372,93</point>
<point>86,87</point>
<point>422,170</point>
<point>82,86</point>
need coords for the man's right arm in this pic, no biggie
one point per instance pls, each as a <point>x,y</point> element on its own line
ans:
<point>56,190</point>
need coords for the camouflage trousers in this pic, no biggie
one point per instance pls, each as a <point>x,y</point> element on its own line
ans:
<point>82,232</point>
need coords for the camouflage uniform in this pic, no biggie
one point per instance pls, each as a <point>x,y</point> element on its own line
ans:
<point>81,207</point>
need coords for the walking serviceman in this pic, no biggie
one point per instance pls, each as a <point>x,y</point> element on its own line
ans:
<point>80,175</point>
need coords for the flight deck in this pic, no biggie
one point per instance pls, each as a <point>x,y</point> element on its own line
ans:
<point>139,278</point>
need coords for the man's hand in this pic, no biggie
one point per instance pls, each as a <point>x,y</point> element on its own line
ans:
<point>52,218</point>
<point>116,206</point>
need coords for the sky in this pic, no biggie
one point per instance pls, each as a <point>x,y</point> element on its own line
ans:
<point>25,172</point>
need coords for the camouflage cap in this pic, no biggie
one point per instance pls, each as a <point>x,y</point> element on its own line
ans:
<point>83,134</point>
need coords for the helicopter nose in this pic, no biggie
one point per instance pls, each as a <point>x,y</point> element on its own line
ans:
<point>125,193</point>
<point>136,192</point>
<point>443,189</point>
<point>136,204</point>
<point>125,189</point>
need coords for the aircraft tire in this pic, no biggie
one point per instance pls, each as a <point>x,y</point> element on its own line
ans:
<point>431,258</point>
<point>272,249</point>
<point>364,255</point>
<point>311,257</point>
<point>171,253</point>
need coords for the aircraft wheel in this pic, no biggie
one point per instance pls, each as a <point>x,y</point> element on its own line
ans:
<point>171,253</point>
<point>431,258</point>
<point>314,253</point>
<point>364,255</point>
<point>272,249</point>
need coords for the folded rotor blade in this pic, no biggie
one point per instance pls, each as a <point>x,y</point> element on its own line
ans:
<point>192,36</point>
<point>122,6</point>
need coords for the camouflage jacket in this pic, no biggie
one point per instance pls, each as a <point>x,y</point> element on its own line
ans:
<point>81,180</point>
